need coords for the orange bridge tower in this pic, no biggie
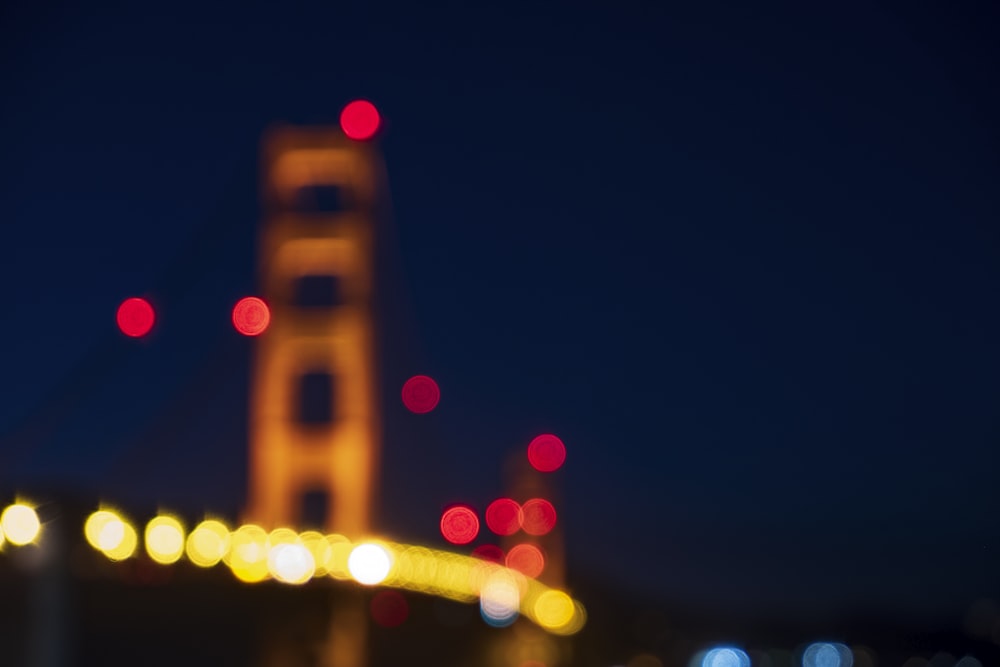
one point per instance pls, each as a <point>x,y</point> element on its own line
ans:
<point>314,431</point>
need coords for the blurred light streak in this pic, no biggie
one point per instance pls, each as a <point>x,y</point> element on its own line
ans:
<point>164,539</point>
<point>135,317</point>
<point>20,524</point>
<point>253,555</point>
<point>546,453</point>
<point>503,516</point>
<point>462,578</point>
<point>459,524</point>
<point>251,316</point>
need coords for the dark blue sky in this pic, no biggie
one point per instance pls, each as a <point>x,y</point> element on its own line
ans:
<point>743,260</point>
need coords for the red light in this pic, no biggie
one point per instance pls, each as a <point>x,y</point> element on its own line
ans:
<point>546,453</point>
<point>503,516</point>
<point>360,120</point>
<point>421,394</point>
<point>389,609</point>
<point>526,559</point>
<point>135,317</point>
<point>488,552</point>
<point>251,316</point>
<point>539,516</point>
<point>459,524</point>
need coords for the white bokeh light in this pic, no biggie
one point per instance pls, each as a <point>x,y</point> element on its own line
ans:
<point>291,563</point>
<point>369,564</point>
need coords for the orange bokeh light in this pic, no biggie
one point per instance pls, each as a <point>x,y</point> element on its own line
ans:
<point>503,516</point>
<point>360,120</point>
<point>135,317</point>
<point>251,316</point>
<point>539,516</point>
<point>459,524</point>
<point>546,453</point>
<point>527,559</point>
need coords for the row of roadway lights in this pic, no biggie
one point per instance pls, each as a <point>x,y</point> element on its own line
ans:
<point>255,555</point>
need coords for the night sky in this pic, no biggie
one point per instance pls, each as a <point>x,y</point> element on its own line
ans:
<point>744,261</point>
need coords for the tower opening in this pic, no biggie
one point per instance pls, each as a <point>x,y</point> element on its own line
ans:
<point>320,198</point>
<point>317,291</point>
<point>314,508</point>
<point>316,399</point>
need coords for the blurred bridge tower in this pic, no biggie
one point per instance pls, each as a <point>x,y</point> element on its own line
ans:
<point>314,422</point>
<point>529,644</point>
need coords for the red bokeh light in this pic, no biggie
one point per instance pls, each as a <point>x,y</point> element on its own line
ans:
<point>526,559</point>
<point>538,516</point>
<point>546,453</point>
<point>135,317</point>
<point>421,394</point>
<point>360,120</point>
<point>389,609</point>
<point>251,316</point>
<point>503,516</point>
<point>459,524</point>
<point>489,552</point>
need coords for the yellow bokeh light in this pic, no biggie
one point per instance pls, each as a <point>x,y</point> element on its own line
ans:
<point>369,564</point>
<point>111,534</point>
<point>247,556</point>
<point>121,538</point>
<point>208,543</point>
<point>95,524</point>
<point>20,524</point>
<point>164,539</point>
<point>553,609</point>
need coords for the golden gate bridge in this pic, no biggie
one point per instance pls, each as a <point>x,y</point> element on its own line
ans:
<point>314,426</point>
